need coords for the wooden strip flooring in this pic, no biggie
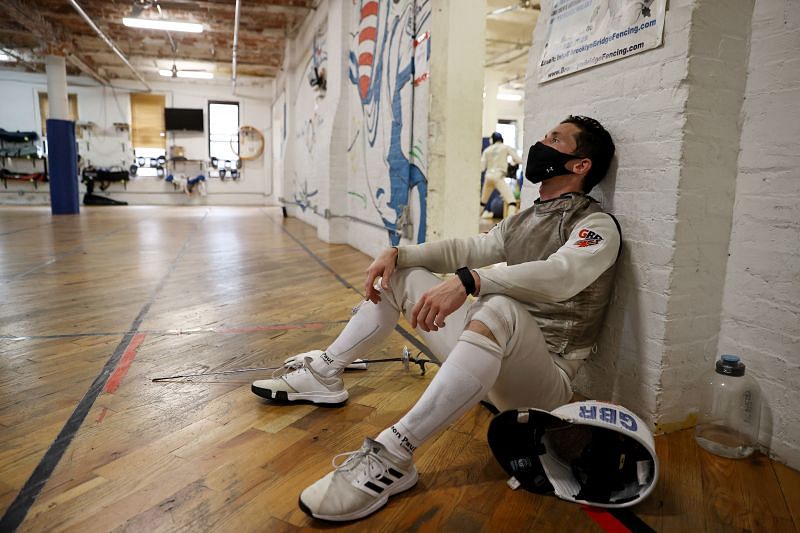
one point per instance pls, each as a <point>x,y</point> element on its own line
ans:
<point>212,288</point>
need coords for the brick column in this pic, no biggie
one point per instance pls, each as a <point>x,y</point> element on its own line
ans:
<point>456,74</point>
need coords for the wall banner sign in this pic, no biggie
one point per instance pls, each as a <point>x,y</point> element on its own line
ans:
<point>585,33</point>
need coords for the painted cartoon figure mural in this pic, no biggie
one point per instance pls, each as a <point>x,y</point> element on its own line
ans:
<point>388,64</point>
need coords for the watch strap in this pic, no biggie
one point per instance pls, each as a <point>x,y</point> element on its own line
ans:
<point>465,275</point>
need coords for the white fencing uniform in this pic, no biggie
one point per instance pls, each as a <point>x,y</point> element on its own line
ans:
<point>544,307</point>
<point>494,161</point>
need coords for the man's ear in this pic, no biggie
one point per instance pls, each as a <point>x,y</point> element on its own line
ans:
<point>582,167</point>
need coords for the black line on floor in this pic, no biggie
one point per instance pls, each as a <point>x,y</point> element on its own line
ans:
<point>402,331</point>
<point>631,520</point>
<point>25,229</point>
<point>62,255</point>
<point>57,336</point>
<point>19,508</point>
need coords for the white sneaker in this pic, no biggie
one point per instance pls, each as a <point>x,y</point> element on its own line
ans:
<point>512,210</point>
<point>296,361</point>
<point>487,214</point>
<point>301,382</point>
<point>360,485</point>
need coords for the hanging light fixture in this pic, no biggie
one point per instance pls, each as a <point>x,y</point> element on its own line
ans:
<point>194,74</point>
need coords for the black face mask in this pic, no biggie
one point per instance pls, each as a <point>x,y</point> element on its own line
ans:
<point>545,162</point>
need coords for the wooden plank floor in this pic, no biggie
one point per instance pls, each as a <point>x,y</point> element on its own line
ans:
<point>95,306</point>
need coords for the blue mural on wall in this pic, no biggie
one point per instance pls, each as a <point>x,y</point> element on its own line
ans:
<point>303,198</point>
<point>384,54</point>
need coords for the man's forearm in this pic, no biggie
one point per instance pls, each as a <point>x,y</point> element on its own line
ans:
<point>447,255</point>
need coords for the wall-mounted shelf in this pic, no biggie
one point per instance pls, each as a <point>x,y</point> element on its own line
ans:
<point>34,176</point>
<point>185,160</point>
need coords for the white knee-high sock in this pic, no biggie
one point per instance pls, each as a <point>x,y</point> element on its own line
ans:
<point>463,380</point>
<point>370,326</point>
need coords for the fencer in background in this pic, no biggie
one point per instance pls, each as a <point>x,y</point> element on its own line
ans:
<point>494,161</point>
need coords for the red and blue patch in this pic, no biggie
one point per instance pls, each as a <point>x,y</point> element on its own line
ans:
<point>588,238</point>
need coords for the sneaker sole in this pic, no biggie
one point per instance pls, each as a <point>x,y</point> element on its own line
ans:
<point>404,485</point>
<point>316,397</point>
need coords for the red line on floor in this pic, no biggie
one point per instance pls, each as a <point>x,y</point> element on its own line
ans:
<point>605,520</point>
<point>102,415</point>
<point>125,363</point>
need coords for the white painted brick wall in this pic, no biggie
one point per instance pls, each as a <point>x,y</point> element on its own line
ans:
<point>302,168</point>
<point>687,148</point>
<point>103,148</point>
<point>717,55</point>
<point>641,100</point>
<point>336,171</point>
<point>761,314</point>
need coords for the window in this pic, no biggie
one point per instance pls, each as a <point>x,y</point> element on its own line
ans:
<point>147,129</point>
<point>223,130</point>
<point>44,109</point>
<point>508,129</point>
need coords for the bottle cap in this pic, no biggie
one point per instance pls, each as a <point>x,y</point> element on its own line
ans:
<point>730,365</point>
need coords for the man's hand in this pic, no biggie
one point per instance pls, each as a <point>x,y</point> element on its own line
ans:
<point>434,306</point>
<point>383,266</point>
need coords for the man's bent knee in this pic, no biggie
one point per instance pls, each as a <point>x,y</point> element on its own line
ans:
<point>480,328</point>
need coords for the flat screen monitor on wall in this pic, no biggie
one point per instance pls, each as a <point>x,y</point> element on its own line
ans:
<point>178,119</point>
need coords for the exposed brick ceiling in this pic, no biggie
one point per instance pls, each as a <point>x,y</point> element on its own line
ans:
<point>30,29</point>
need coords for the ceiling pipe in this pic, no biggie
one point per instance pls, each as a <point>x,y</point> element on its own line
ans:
<point>52,38</point>
<point>86,69</point>
<point>19,59</point>
<point>109,42</point>
<point>235,41</point>
<point>169,35</point>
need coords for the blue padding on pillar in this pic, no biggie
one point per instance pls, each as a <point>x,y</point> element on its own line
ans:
<point>62,158</point>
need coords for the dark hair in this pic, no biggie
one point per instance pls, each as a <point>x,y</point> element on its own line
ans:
<point>593,142</point>
<point>497,138</point>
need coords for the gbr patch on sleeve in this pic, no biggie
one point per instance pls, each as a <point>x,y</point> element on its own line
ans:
<point>586,240</point>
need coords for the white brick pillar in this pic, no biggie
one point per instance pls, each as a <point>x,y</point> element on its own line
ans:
<point>456,74</point>
<point>333,227</point>
<point>717,72</point>
<point>289,82</point>
<point>674,113</point>
<point>491,83</point>
<point>56,68</point>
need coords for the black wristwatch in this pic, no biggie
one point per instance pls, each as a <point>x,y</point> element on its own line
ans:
<point>465,275</point>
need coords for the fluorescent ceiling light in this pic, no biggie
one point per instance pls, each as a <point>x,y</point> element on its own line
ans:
<point>196,74</point>
<point>6,57</point>
<point>167,25</point>
<point>510,97</point>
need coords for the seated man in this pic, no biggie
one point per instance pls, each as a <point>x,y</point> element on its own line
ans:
<point>520,343</point>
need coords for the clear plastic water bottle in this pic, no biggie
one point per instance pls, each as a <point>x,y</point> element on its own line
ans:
<point>730,410</point>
